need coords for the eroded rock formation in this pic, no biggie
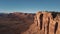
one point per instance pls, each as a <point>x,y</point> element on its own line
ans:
<point>45,23</point>
<point>28,23</point>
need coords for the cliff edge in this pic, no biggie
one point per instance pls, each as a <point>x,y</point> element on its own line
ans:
<point>28,23</point>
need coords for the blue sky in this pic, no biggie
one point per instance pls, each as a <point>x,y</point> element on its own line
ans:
<point>30,6</point>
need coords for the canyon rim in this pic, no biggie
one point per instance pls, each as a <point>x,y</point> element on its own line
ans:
<point>30,23</point>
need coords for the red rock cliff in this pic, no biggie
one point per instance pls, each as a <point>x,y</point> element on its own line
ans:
<point>28,23</point>
<point>45,23</point>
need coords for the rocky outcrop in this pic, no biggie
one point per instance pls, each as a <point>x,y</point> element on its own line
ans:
<point>28,23</point>
<point>45,23</point>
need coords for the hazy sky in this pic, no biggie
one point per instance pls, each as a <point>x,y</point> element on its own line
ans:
<point>30,6</point>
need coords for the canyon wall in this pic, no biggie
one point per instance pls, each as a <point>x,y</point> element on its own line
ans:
<point>28,23</point>
<point>45,23</point>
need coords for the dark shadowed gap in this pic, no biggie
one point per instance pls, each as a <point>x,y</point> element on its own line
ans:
<point>54,14</point>
<point>25,13</point>
<point>41,20</point>
<point>44,28</point>
<point>55,28</point>
<point>48,26</point>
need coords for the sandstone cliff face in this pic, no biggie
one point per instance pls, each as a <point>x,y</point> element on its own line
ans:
<point>45,23</point>
<point>25,23</point>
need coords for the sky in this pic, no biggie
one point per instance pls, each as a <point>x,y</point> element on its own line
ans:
<point>29,6</point>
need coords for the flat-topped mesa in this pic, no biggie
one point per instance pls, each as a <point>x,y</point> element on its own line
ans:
<point>47,21</point>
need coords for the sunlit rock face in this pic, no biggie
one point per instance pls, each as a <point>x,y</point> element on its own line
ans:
<point>45,23</point>
<point>28,23</point>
